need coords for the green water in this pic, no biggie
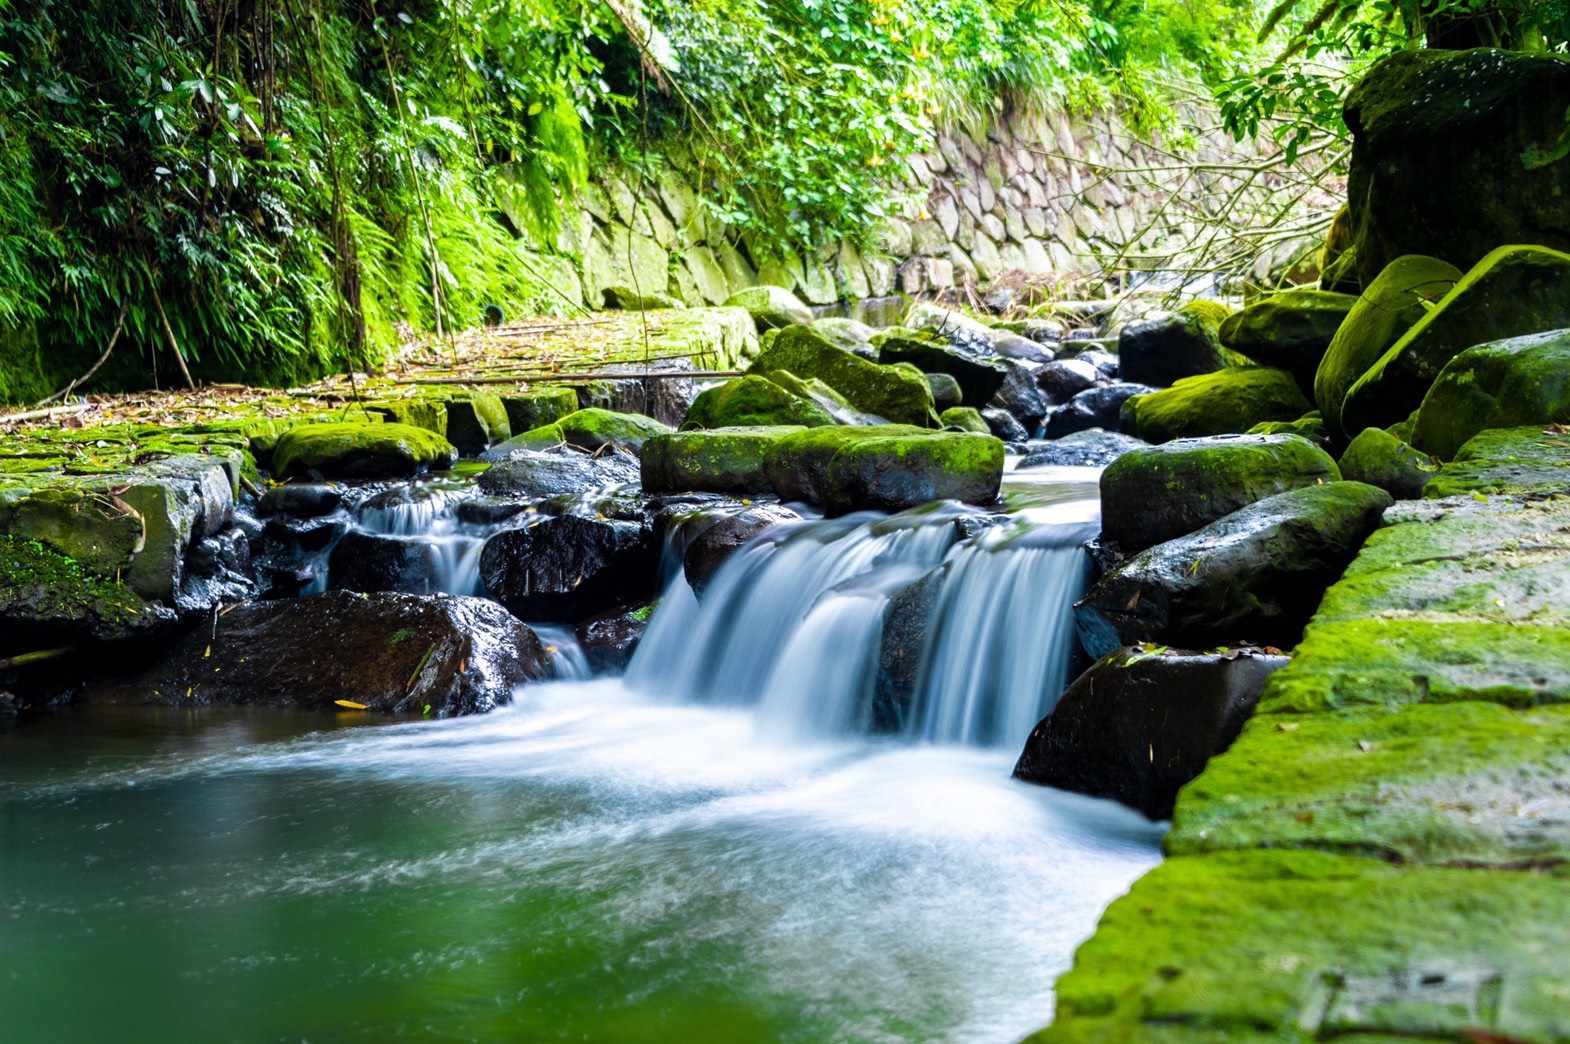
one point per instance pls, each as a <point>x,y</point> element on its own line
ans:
<point>586,866</point>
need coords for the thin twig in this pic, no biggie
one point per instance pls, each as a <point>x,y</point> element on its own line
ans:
<point>114,338</point>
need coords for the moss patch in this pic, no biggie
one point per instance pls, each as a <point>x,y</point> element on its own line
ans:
<point>1220,403</point>
<point>720,460</point>
<point>357,450</point>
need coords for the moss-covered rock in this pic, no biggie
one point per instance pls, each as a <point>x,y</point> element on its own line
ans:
<point>588,429</point>
<point>537,407</point>
<point>979,376</point>
<point>1390,306</point>
<point>49,599</point>
<point>1514,290</point>
<point>1164,350</point>
<point>771,307</point>
<point>1310,426</point>
<point>846,334</point>
<point>1220,403</point>
<point>476,420</point>
<point>1380,459</point>
<point>629,299</point>
<point>1291,330</point>
<point>1457,151</point>
<point>884,467</point>
<point>718,460</point>
<point>1256,573</point>
<point>357,450</point>
<point>946,392</point>
<point>965,418</point>
<point>1503,384</point>
<point>753,399</point>
<point>1520,460</point>
<point>1153,494</point>
<point>416,411</point>
<point>895,393</point>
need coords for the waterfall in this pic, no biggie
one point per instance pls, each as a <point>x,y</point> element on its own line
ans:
<point>793,624</point>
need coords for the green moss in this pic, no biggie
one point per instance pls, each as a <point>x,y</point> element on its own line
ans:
<point>1526,460</point>
<point>1217,403</point>
<point>592,428</point>
<point>895,472</point>
<point>359,450</point>
<point>1291,330</point>
<point>1211,312</point>
<point>48,592</point>
<point>965,418</point>
<point>418,412</point>
<point>896,394</point>
<point>527,410</point>
<point>754,399</point>
<point>771,307</point>
<point>1380,459</point>
<point>1503,384</point>
<point>719,460</point>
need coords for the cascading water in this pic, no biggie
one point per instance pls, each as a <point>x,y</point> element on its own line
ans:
<point>425,517</point>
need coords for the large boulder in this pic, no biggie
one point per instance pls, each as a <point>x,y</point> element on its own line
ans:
<point>437,655</point>
<point>1167,348</point>
<point>1215,404</point>
<point>562,470</point>
<point>847,334</point>
<point>1290,330</point>
<point>1380,459</point>
<point>952,325</point>
<point>1139,724</point>
<point>1100,407</point>
<point>979,376</point>
<point>771,307</point>
<point>1513,291</point>
<point>537,407</point>
<point>1390,306</point>
<point>1153,494</point>
<point>1455,153</point>
<point>569,567</point>
<point>1256,574</point>
<point>898,394</point>
<point>368,562</point>
<point>1083,449</point>
<point>885,468</point>
<point>717,460</point>
<point>359,450</point>
<point>754,399</point>
<point>1503,384</point>
<point>715,543</point>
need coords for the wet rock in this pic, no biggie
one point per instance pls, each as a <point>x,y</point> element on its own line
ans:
<point>538,407</point>
<point>895,393</point>
<point>1513,291</point>
<point>1019,395</point>
<point>1061,380</point>
<point>302,499</point>
<point>609,640</point>
<point>393,653</point>
<point>217,570</point>
<point>884,468</point>
<point>1093,448</point>
<point>661,399</point>
<point>1106,363</point>
<point>1257,573</point>
<point>1380,459</point>
<point>713,545</point>
<point>946,393</point>
<point>1094,408</point>
<point>1391,305</point>
<point>370,562</point>
<point>1004,425</point>
<point>906,624</point>
<point>1137,726</point>
<point>718,460</point>
<point>476,420</point>
<point>563,471</point>
<point>304,535</point>
<point>755,400</point>
<point>771,307</point>
<point>1290,330</point>
<point>1163,350</point>
<point>979,375</point>
<point>488,511</point>
<point>48,599</point>
<point>568,568</point>
<point>966,418</point>
<point>359,450</point>
<point>1220,403</point>
<point>1502,384</point>
<point>1013,346</point>
<point>1157,493</point>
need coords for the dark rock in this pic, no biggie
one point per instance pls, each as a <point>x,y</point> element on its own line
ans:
<point>1094,408</point>
<point>1183,344</point>
<point>1380,459</point>
<point>1061,380</point>
<point>609,640</point>
<point>1137,726</point>
<point>395,653</point>
<point>1106,364</point>
<point>711,547</point>
<point>568,568</point>
<point>1220,403</point>
<point>49,599</point>
<point>1257,573</point>
<point>306,534</point>
<point>946,393</point>
<point>1019,395</point>
<point>370,562</point>
<point>217,569</point>
<point>1156,493</point>
<point>906,624</point>
<point>1093,448</point>
<point>979,376</point>
<point>1004,425</point>
<point>1013,346</point>
<point>489,511</point>
<point>558,472</point>
<point>301,499</point>
<point>537,407</point>
<point>476,421</point>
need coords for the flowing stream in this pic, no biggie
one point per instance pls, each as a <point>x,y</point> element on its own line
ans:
<point>714,848</point>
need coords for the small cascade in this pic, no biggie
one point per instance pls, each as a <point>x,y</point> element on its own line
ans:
<point>567,656</point>
<point>424,515</point>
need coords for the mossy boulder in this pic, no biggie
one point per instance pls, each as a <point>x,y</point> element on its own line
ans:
<point>49,599</point>
<point>716,460</point>
<point>771,307</point>
<point>979,376</point>
<point>884,467</point>
<point>1380,459</point>
<point>416,411</point>
<point>477,420</point>
<point>754,399</point>
<point>1513,291</point>
<point>588,429</point>
<point>1517,460</point>
<point>1256,574</point>
<point>1220,403</point>
<point>537,407</point>
<point>1163,350</point>
<point>965,418</point>
<point>1391,305</point>
<point>1456,152</point>
<point>847,334</point>
<point>1139,724</point>
<point>1309,426</point>
<point>1290,330</point>
<point>1503,384</point>
<point>1154,494</point>
<point>357,450</point>
<point>897,394</point>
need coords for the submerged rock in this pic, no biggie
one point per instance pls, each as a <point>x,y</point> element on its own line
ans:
<point>1503,384</point>
<point>1220,403</point>
<point>1100,407</point>
<point>1084,449</point>
<point>1140,724</point>
<point>1154,494</point>
<point>1257,573</point>
<point>1380,459</point>
<point>438,655</point>
<point>569,567</point>
<point>716,460</point>
<point>359,450</point>
<point>713,545</point>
